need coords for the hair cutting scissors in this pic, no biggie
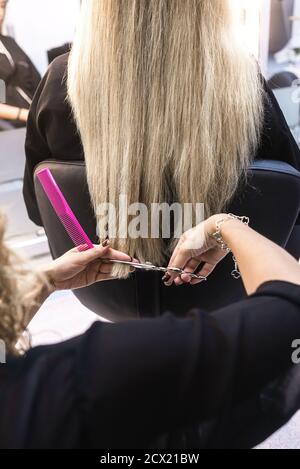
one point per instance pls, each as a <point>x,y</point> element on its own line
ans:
<point>148,266</point>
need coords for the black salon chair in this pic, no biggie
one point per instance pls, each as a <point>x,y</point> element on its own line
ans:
<point>271,198</point>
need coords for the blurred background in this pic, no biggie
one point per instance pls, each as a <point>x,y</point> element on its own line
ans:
<point>39,26</point>
<point>42,30</point>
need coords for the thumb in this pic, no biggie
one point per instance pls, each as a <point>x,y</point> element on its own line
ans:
<point>91,255</point>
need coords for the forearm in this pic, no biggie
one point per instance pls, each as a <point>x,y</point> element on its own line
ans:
<point>39,297</point>
<point>259,259</point>
<point>13,113</point>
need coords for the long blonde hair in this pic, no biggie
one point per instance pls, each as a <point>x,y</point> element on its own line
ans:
<point>167,102</point>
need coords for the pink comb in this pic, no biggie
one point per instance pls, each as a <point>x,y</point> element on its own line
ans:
<point>63,210</point>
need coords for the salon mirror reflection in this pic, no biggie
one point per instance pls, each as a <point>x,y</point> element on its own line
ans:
<point>32,34</point>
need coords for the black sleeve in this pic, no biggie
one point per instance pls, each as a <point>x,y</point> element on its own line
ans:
<point>140,379</point>
<point>51,130</point>
<point>277,141</point>
<point>34,74</point>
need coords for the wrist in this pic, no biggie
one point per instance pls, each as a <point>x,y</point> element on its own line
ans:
<point>224,222</point>
<point>47,291</point>
<point>229,229</point>
<point>19,112</point>
<point>211,223</point>
<point>22,115</point>
<point>50,285</point>
<point>223,230</point>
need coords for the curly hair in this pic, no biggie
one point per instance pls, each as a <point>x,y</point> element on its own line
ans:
<point>19,287</point>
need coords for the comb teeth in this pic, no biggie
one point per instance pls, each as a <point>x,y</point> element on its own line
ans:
<point>63,210</point>
<point>75,232</point>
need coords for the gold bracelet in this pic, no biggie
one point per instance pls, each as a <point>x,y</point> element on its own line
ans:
<point>217,236</point>
<point>19,114</point>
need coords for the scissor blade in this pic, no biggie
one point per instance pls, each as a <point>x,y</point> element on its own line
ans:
<point>131,264</point>
<point>154,268</point>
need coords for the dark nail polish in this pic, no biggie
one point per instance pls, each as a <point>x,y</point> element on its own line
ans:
<point>106,243</point>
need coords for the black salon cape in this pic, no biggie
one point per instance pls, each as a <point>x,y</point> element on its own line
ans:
<point>52,133</point>
<point>222,380</point>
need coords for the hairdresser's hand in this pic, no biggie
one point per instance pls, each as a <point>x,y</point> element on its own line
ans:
<point>197,252</point>
<point>77,269</point>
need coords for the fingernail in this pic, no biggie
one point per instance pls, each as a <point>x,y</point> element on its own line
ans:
<point>106,243</point>
<point>166,278</point>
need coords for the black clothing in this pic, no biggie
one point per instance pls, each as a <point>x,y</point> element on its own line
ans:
<point>57,51</point>
<point>52,133</point>
<point>20,75</point>
<point>51,130</point>
<point>203,381</point>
